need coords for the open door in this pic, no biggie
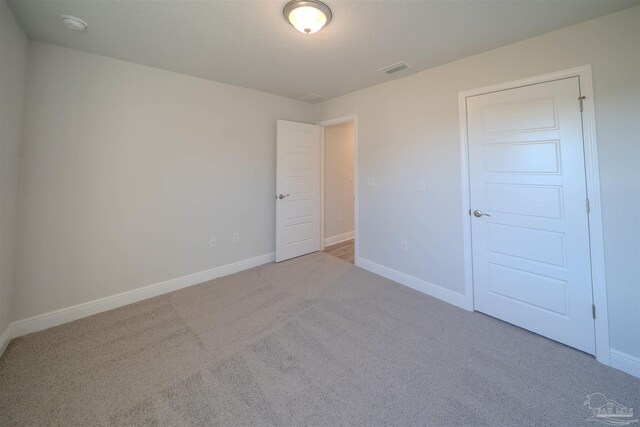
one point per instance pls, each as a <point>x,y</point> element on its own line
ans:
<point>297,189</point>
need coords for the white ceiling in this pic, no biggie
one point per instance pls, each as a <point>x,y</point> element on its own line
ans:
<point>249,44</point>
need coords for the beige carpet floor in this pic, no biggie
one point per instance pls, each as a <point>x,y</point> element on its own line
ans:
<point>311,341</point>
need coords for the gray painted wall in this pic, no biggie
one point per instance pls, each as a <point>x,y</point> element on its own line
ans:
<point>338,179</point>
<point>129,170</point>
<point>408,130</point>
<point>13,65</point>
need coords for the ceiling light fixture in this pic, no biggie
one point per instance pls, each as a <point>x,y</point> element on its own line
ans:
<point>73,23</point>
<point>307,16</point>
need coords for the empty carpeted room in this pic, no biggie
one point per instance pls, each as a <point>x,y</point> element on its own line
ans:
<point>319,213</point>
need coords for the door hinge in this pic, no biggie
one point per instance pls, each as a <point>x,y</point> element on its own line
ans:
<point>580,100</point>
<point>593,310</point>
<point>588,205</point>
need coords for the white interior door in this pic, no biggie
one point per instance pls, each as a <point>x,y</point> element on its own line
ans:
<point>298,189</point>
<point>530,234</point>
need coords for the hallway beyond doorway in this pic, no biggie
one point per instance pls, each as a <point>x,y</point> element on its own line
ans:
<point>344,250</point>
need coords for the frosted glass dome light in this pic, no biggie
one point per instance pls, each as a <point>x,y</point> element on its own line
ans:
<point>307,16</point>
<point>73,23</point>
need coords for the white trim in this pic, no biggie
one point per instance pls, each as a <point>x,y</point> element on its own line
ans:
<point>596,230</point>
<point>444,294</point>
<point>332,122</point>
<point>323,242</point>
<point>339,238</point>
<point>593,193</point>
<point>625,362</point>
<point>5,338</point>
<point>58,317</point>
<point>466,203</point>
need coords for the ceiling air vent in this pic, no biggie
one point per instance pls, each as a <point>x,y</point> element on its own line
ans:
<point>311,97</point>
<point>394,68</point>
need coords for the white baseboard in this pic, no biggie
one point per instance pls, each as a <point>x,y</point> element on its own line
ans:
<point>625,362</point>
<point>334,240</point>
<point>4,339</point>
<point>58,317</point>
<point>619,360</point>
<point>444,294</point>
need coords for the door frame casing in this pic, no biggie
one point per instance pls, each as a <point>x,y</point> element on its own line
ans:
<point>598,278</point>
<point>332,122</point>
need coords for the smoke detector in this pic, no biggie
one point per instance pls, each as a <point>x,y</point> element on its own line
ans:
<point>394,68</point>
<point>73,23</point>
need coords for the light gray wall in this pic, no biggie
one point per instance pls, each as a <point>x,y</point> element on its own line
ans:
<point>338,179</point>
<point>127,172</point>
<point>13,65</point>
<point>408,130</point>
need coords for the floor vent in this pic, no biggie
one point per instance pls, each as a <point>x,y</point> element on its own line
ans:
<point>394,68</point>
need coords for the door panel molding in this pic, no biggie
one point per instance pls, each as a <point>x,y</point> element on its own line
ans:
<point>593,193</point>
<point>297,189</point>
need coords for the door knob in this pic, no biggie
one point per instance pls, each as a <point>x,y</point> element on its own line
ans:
<point>478,214</point>
<point>282,196</point>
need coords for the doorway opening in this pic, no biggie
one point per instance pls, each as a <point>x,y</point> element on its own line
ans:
<point>338,183</point>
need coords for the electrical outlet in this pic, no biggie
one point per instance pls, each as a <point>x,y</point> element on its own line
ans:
<point>236,237</point>
<point>422,185</point>
<point>404,246</point>
<point>339,217</point>
<point>212,242</point>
